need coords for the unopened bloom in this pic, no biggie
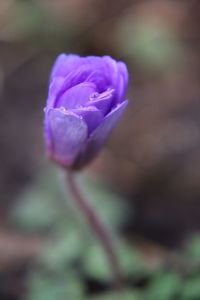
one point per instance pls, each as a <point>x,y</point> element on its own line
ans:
<point>85,100</point>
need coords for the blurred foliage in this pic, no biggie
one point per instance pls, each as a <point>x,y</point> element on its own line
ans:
<point>154,46</point>
<point>37,208</point>
<point>72,261</point>
<point>191,289</point>
<point>62,286</point>
<point>164,286</point>
<point>193,246</point>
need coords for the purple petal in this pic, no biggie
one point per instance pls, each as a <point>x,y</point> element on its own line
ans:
<point>102,101</point>
<point>64,64</point>
<point>92,116</point>
<point>96,63</point>
<point>123,71</point>
<point>112,70</point>
<point>74,78</point>
<point>68,135</point>
<point>100,134</point>
<point>119,77</point>
<point>111,67</point>
<point>100,79</point>
<point>102,72</point>
<point>54,89</point>
<point>76,96</point>
<point>47,133</point>
<point>122,81</point>
<point>90,69</point>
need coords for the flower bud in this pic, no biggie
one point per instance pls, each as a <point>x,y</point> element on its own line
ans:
<point>85,101</point>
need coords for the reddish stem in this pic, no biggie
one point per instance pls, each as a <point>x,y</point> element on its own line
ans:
<point>98,228</point>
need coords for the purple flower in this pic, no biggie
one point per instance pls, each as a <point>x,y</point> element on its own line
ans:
<point>85,100</point>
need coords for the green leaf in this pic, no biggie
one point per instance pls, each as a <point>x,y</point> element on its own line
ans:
<point>164,286</point>
<point>131,261</point>
<point>95,262</point>
<point>64,249</point>
<point>125,295</point>
<point>193,246</point>
<point>155,47</point>
<point>191,289</point>
<point>40,204</point>
<point>43,287</point>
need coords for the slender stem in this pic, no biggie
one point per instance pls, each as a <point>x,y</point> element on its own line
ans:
<point>98,228</point>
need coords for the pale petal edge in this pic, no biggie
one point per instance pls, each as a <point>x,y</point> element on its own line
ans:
<point>67,135</point>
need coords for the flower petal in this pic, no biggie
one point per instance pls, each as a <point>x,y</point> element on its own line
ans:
<point>64,64</point>
<point>76,96</point>
<point>100,79</point>
<point>112,71</point>
<point>54,89</point>
<point>68,135</point>
<point>102,101</point>
<point>119,77</point>
<point>90,69</point>
<point>100,134</point>
<point>92,116</point>
<point>122,81</point>
<point>104,72</point>
<point>123,71</point>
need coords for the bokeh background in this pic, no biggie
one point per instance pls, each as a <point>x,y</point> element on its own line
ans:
<point>147,178</point>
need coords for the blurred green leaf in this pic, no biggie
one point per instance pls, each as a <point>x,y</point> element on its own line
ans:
<point>164,286</point>
<point>155,47</point>
<point>125,295</point>
<point>131,261</point>
<point>95,263</point>
<point>43,287</point>
<point>193,246</point>
<point>29,18</point>
<point>40,205</point>
<point>63,250</point>
<point>96,266</point>
<point>191,289</point>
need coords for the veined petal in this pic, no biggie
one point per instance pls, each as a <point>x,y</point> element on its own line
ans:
<point>76,96</point>
<point>92,116</point>
<point>68,135</point>
<point>88,69</point>
<point>64,64</point>
<point>54,89</point>
<point>75,77</point>
<point>100,134</point>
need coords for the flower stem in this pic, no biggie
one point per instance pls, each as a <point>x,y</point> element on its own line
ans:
<point>98,228</point>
